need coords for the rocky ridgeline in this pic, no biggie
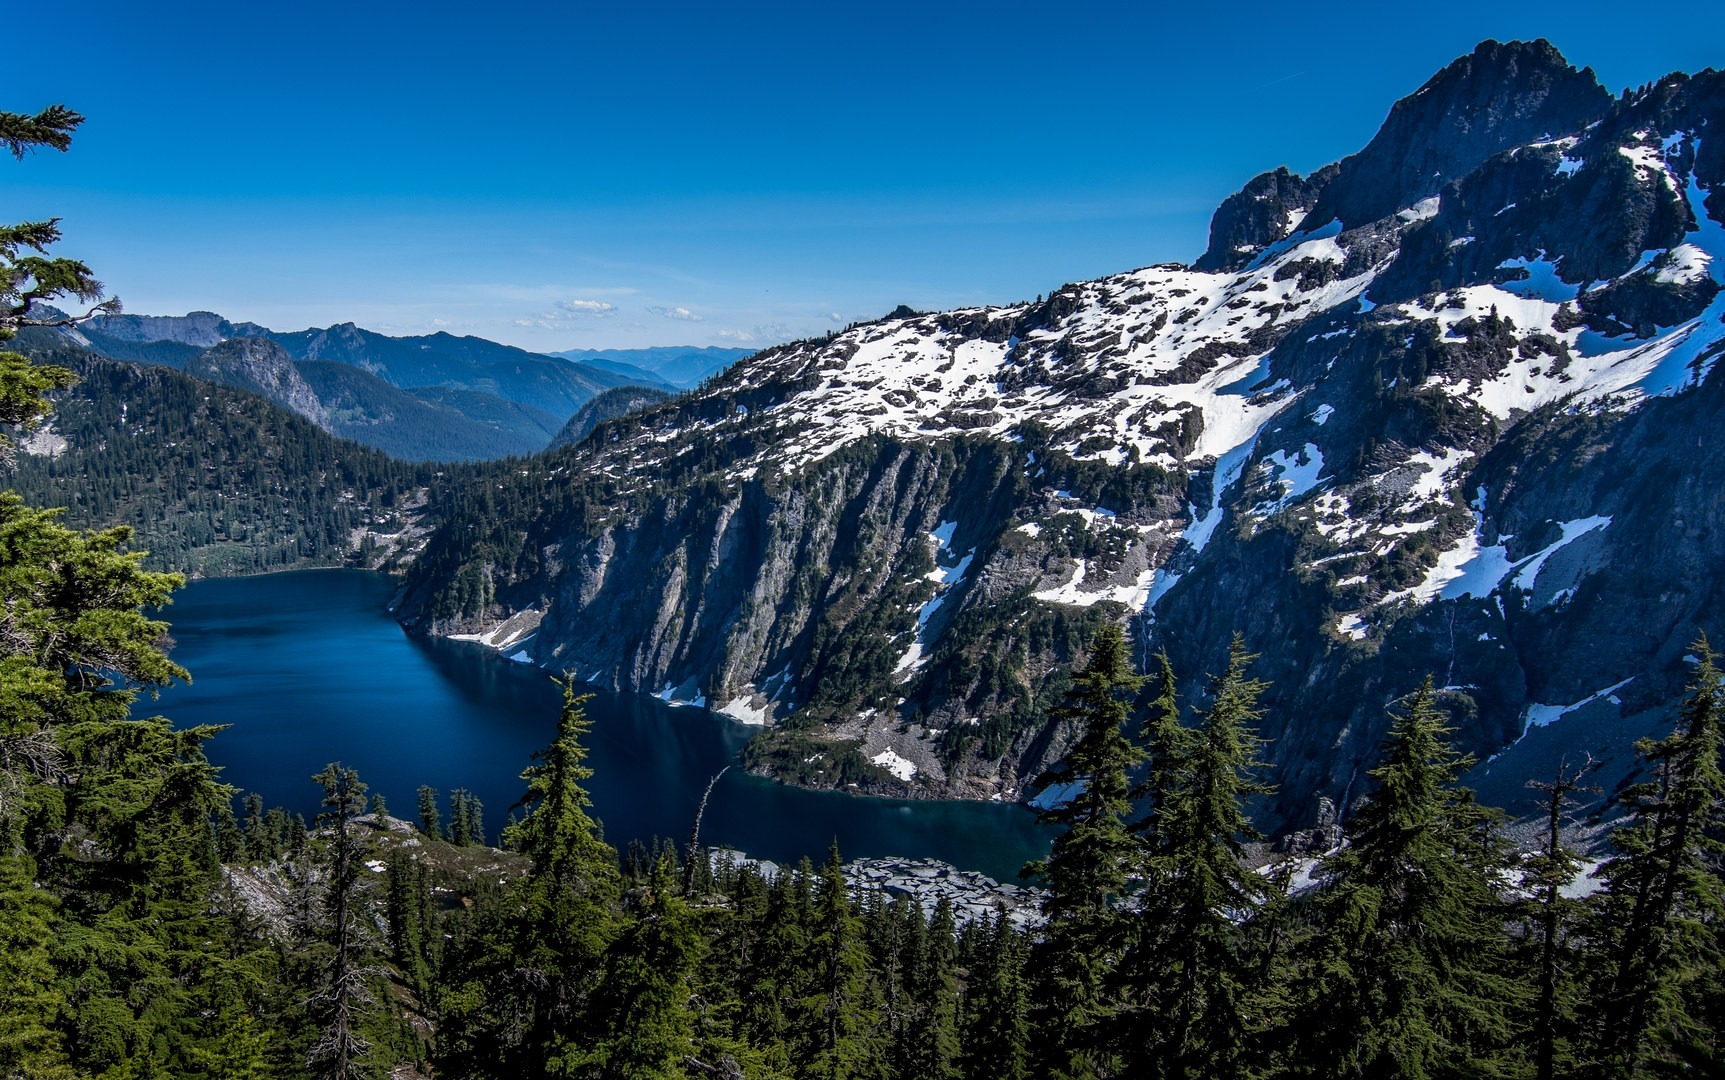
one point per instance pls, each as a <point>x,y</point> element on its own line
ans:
<point>973,896</point>
<point>1449,406</point>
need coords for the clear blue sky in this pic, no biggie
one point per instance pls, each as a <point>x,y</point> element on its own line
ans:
<point>570,175</point>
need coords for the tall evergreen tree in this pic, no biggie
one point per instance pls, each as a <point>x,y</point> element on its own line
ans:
<point>340,1050</point>
<point>840,1015</point>
<point>1409,977</point>
<point>430,821</point>
<point>517,996</point>
<point>778,973</point>
<point>1191,961</point>
<point>644,1026</point>
<point>411,919</point>
<point>30,999</point>
<point>1085,873</point>
<point>996,1035</point>
<point>1664,902</point>
<point>30,276</point>
<point>460,818</point>
<point>929,1048</point>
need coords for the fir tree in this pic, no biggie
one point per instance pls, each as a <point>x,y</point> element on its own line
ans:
<point>30,1000</point>
<point>460,819</point>
<point>645,1027</point>
<point>777,972</point>
<point>1409,977</point>
<point>840,1016</point>
<point>1191,957</point>
<point>517,994</point>
<point>340,1049</point>
<point>1086,872</point>
<point>430,822</point>
<point>30,276</point>
<point>929,1047</point>
<point>411,920</point>
<point>1664,901</point>
<point>996,1031</point>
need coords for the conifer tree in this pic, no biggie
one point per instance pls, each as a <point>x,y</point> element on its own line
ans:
<point>410,919</point>
<point>340,1049</point>
<point>1085,873</point>
<point>460,821</point>
<point>1551,946</point>
<point>1664,901</point>
<point>1196,971</point>
<point>476,819</point>
<point>929,1047</point>
<point>430,822</point>
<point>517,996</point>
<point>30,1000</point>
<point>840,1016</point>
<point>996,1031</point>
<point>30,276</point>
<point>778,973</point>
<point>1408,976</point>
<point>643,1020</point>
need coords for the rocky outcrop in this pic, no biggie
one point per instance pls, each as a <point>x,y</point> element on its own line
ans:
<point>610,405</point>
<point>200,328</point>
<point>1266,210</point>
<point>1458,422</point>
<point>263,367</point>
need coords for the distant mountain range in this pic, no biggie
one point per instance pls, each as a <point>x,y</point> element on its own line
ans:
<point>431,397</point>
<point>682,367</point>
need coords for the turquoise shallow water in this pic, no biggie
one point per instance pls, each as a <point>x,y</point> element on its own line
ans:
<point>309,667</point>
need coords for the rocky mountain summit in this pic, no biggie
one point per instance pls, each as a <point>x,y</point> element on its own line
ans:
<point>1448,406</point>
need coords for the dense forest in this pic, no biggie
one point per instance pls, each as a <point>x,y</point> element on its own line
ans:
<point>212,480</point>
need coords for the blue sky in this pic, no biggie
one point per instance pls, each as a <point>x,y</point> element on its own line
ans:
<point>584,176</point>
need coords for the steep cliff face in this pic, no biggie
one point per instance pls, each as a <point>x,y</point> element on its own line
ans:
<point>263,367</point>
<point>1447,407</point>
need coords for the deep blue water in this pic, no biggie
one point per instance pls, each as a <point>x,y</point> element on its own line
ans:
<point>309,667</point>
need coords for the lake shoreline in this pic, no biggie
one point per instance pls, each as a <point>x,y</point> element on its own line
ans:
<point>308,666</point>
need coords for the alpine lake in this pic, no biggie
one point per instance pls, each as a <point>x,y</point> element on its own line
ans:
<point>308,667</point>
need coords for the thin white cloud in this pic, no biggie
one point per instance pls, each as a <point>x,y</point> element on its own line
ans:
<point>835,316</point>
<point>593,309</point>
<point>680,313</point>
<point>769,332</point>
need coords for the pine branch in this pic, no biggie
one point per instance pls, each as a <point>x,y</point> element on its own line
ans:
<point>52,127</point>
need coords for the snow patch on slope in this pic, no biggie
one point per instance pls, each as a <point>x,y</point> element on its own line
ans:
<point>944,578</point>
<point>1538,715</point>
<point>903,768</point>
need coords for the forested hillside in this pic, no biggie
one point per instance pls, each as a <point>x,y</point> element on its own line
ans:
<point>213,480</point>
